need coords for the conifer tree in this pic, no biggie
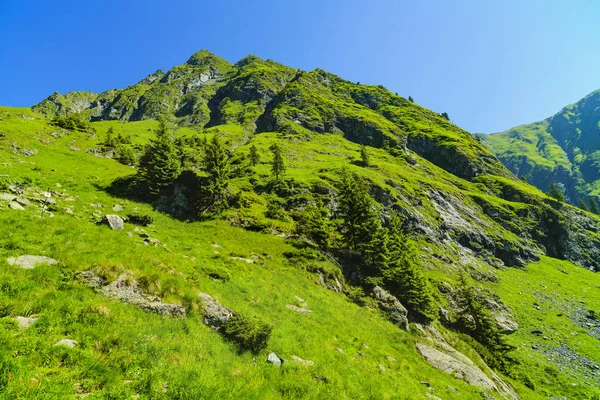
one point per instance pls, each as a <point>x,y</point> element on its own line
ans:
<point>277,165</point>
<point>364,156</point>
<point>404,277</point>
<point>411,99</point>
<point>313,223</point>
<point>593,205</point>
<point>360,215</point>
<point>556,193</point>
<point>160,165</point>
<point>110,140</point>
<point>254,155</point>
<point>216,166</point>
<point>582,205</point>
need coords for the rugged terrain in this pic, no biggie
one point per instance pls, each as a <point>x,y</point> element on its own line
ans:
<point>122,310</point>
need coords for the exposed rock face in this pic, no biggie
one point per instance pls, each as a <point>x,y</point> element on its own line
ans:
<point>392,306</point>
<point>446,358</point>
<point>215,314</point>
<point>126,290</point>
<point>30,262</point>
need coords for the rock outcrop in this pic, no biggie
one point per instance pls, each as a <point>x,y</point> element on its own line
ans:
<point>30,262</point>
<point>392,307</point>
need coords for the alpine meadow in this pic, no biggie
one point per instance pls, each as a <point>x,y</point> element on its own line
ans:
<point>256,231</point>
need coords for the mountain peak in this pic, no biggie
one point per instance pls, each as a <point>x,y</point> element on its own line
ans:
<point>204,58</point>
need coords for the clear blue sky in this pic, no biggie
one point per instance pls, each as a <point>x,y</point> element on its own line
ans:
<point>490,64</point>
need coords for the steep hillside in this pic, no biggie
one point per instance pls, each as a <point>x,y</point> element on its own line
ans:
<point>563,150</point>
<point>388,254</point>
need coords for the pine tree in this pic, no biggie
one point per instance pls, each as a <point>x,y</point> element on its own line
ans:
<point>360,215</point>
<point>411,99</point>
<point>110,140</point>
<point>160,165</point>
<point>556,193</point>
<point>445,116</point>
<point>364,156</point>
<point>404,277</point>
<point>254,155</point>
<point>216,166</point>
<point>277,165</point>
<point>582,205</point>
<point>593,206</point>
<point>313,222</point>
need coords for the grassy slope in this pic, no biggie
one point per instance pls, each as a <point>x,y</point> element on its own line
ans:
<point>129,351</point>
<point>124,350</point>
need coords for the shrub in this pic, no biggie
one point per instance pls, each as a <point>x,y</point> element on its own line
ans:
<point>249,334</point>
<point>4,183</point>
<point>140,219</point>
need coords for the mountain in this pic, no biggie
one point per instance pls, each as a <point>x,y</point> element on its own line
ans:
<point>563,150</point>
<point>281,233</point>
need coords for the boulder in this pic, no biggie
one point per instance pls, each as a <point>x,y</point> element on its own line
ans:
<point>25,322</point>
<point>7,196</point>
<point>13,205</point>
<point>392,306</point>
<point>306,363</point>
<point>118,208</point>
<point>215,314</point>
<point>114,221</point>
<point>30,262</point>
<point>274,359</point>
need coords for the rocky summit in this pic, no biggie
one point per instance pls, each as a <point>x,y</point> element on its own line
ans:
<point>252,230</point>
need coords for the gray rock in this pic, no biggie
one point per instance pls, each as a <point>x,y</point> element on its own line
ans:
<point>7,196</point>
<point>30,262</point>
<point>90,279</point>
<point>25,322</point>
<point>22,201</point>
<point>298,309</point>
<point>274,359</point>
<point>15,206</point>
<point>215,314</point>
<point>331,284</point>
<point>114,221</point>
<point>67,343</point>
<point>392,306</point>
<point>118,207</point>
<point>29,152</point>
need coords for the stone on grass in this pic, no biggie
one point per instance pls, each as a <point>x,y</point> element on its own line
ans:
<point>7,196</point>
<point>114,221</point>
<point>30,262</point>
<point>25,322</point>
<point>117,208</point>
<point>392,306</point>
<point>306,363</point>
<point>15,206</point>
<point>67,343</point>
<point>274,359</point>
<point>298,309</point>
<point>215,314</point>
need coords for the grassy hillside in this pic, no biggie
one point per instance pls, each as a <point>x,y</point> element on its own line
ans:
<point>562,150</point>
<point>357,353</point>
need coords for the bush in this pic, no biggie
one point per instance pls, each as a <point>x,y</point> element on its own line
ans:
<point>140,219</point>
<point>249,334</point>
<point>4,183</point>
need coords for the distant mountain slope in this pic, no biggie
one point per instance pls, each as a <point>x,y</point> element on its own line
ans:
<point>267,96</point>
<point>563,149</point>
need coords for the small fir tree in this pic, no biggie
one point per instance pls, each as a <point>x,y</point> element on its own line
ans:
<point>582,205</point>
<point>411,99</point>
<point>278,164</point>
<point>254,155</point>
<point>556,193</point>
<point>313,222</point>
<point>160,165</point>
<point>593,205</point>
<point>216,166</point>
<point>364,156</point>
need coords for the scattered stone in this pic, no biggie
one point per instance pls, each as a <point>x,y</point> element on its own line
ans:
<point>58,185</point>
<point>450,388</point>
<point>28,152</point>
<point>298,309</point>
<point>25,322</point>
<point>15,206</point>
<point>391,359</point>
<point>114,221</point>
<point>96,205</point>
<point>23,202</point>
<point>246,260</point>
<point>306,363</point>
<point>340,350</point>
<point>381,367</point>
<point>360,353</point>
<point>331,283</point>
<point>130,234</point>
<point>425,383</point>
<point>7,196</point>
<point>301,301</point>
<point>67,210</point>
<point>30,262</point>
<point>392,306</point>
<point>215,314</point>
<point>274,359</point>
<point>67,343</point>
<point>216,246</point>
<point>117,208</point>
<point>90,279</point>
